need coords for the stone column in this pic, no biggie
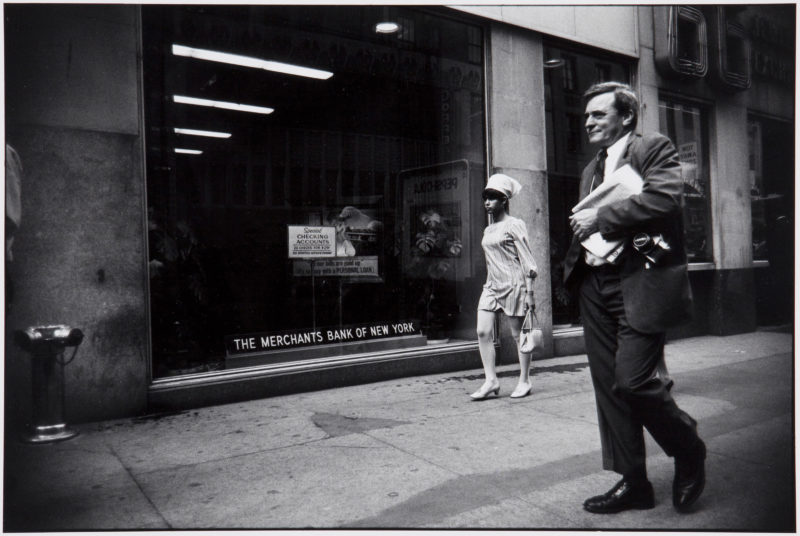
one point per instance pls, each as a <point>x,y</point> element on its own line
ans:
<point>732,308</point>
<point>518,149</point>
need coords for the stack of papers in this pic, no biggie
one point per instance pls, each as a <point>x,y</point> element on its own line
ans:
<point>621,184</point>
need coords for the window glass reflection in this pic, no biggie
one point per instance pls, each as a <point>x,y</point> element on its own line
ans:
<point>567,74</point>
<point>771,151</point>
<point>686,125</point>
<point>375,136</point>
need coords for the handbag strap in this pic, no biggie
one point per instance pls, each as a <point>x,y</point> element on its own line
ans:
<point>527,324</point>
<point>530,316</point>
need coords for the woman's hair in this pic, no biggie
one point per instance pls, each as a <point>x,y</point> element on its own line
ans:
<point>491,193</point>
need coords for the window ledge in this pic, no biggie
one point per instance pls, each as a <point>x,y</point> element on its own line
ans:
<point>566,332</point>
<point>311,365</point>
<point>698,266</point>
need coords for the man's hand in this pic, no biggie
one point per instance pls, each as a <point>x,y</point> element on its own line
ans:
<point>584,223</point>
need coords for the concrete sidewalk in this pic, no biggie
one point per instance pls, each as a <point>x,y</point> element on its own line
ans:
<point>417,453</point>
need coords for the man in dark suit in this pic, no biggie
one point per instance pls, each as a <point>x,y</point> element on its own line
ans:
<point>628,303</point>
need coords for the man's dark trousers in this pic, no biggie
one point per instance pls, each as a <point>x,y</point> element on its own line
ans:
<point>629,393</point>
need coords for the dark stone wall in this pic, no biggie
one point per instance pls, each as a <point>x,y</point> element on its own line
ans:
<point>733,302</point>
<point>724,304</point>
<point>79,257</point>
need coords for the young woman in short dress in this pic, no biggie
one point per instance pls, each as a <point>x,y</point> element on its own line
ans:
<point>509,283</point>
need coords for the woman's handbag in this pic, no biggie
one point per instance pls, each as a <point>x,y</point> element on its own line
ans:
<point>531,339</point>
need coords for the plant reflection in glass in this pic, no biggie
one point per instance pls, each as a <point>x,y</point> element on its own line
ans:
<point>435,247</point>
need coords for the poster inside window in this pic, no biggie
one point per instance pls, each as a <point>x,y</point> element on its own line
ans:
<point>313,184</point>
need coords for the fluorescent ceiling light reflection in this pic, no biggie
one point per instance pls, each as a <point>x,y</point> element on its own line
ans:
<point>182,99</point>
<point>188,151</point>
<point>553,63</point>
<point>387,27</point>
<point>247,61</point>
<point>207,133</point>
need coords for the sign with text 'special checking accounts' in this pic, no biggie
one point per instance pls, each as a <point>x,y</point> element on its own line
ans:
<point>312,241</point>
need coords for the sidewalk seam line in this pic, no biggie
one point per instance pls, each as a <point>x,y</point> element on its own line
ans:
<point>139,486</point>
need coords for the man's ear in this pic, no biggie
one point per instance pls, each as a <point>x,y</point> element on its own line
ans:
<point>627,119</point>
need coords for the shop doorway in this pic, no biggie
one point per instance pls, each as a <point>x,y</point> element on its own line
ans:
<point>771,150</point>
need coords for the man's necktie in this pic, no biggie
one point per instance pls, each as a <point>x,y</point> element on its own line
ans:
<point>599,168</point>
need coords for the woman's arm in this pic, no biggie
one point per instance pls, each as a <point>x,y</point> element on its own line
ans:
<point>520,235</point>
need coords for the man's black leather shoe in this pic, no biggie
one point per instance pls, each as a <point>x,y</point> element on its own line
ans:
<point>623,496</point>
<point>690,477</point>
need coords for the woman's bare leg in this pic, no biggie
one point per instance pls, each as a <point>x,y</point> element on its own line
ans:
<point>485,329</point>
<point>524,382</point>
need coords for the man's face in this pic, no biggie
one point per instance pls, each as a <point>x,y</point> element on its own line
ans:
<point>603,123</point>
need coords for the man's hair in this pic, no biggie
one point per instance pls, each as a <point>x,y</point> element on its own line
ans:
<point>625,99</point>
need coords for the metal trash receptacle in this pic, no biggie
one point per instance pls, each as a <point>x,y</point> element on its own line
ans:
<point>46,346</point>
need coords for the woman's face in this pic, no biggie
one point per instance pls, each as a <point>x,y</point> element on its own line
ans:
<point>494,205</point>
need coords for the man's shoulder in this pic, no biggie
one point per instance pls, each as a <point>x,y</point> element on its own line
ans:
<point>650,141</point>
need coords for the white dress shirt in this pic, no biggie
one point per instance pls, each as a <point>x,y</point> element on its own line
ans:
<point>614,153</point>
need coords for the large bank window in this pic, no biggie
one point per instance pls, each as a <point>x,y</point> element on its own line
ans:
<point>568,73</point>
<point>686,124</point>
<point>313,182</point>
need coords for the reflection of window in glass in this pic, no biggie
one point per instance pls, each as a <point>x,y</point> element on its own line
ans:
<point>297,180</point>
<point>755,155</point>
<point>258,185</point>
<point>278,185</point>
<point>574,133</point>
<point>190,178</point>
<point>474,45</point>
<point>602,72</point>
<point>218,180</point>
<point>475,116</point>
<point>314,178</point>
<point>686,125</point>
<point>757,193</point>
<point>570,72</point>
<point>239,184</point>
<point>407,29</point>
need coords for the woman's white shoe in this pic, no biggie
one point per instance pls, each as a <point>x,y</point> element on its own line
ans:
<point>485,390</point>
<point>522,390</point>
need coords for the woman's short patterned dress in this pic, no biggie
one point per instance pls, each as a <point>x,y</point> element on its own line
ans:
<point>508,260</point>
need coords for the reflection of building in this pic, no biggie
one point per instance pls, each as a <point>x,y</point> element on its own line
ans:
<point>405,128</point>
